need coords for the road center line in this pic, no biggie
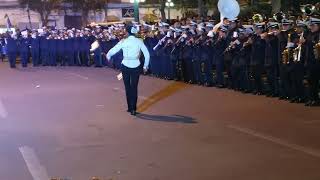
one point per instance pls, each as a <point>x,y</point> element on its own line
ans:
<point>3,111</point>
<point>37,171</point>
<point>278,141</point>
<point>78,75</point>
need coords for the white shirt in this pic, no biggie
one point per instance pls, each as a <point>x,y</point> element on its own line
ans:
<point>131,48</point>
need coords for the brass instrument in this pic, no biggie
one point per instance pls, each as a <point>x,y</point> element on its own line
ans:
<point>279,16</point>
<point>207,42</point>
<point>198,40</point>
<point>287,53</point>
<point>178,41</point>
<point>257,18</point>
<point>297,51</point>
<point>308,9</point>
<point>231,46</point>
<point>316,50</point>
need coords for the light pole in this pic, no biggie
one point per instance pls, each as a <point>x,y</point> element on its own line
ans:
<point>169,4</point>
<point>136,8</point>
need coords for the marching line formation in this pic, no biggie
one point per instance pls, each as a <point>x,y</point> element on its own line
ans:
<point>278,57</point>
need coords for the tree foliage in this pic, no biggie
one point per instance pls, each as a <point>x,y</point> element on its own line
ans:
<point>44,7</point>
<point>84,6</point>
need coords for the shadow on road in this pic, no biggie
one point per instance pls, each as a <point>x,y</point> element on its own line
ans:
<point>174,118</point>
<point>162,94</point>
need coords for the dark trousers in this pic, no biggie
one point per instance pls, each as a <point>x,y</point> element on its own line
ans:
<point>77,58</point>
<point>219,73</point>
<point>53,58</point>
<point>44,57</point>
<point>286,83</point>
<point>256,71</point>
<point>35,57</point>
<point>297,77</point>
<point>313,73</point>
<point>208,71</point>
<point>62,58</point>
<point>12,56</point>
<point>196,69</point>
<point>70,58</point>
<point>188,70</point>
<point>131,80</point>
<point>84,55</point>
<point>173,68</point>
<point>24,58</point>
<point>272,79</point>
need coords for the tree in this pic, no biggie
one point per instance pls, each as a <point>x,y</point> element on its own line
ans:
<point>182,5</point>
<point>162,9</point>
<point>276,6</point>
<point>85,6</point>
<point>43,7</point>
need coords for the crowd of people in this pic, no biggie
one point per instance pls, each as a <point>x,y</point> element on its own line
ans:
<point>276,58</point>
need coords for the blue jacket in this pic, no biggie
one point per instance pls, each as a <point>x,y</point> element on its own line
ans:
<point>12,45</point>
<point>24,44</point>
<point>35,44</point>
<point>44,43</point>
<point>52,44</point>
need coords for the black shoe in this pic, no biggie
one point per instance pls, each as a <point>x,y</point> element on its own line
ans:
<point>313,103</point>
<point>308,103</point>
<point>300,100</point>
<point>293,100</point>
<point>220,86</point>
<point>133,113</point>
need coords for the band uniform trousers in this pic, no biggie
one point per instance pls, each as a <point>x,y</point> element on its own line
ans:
<point>131,80</point>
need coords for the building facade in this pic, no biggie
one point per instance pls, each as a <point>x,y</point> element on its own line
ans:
<point>114,9</point>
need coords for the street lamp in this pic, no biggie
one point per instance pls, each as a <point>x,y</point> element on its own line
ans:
<point>169,4</point>
<point>136,8</point>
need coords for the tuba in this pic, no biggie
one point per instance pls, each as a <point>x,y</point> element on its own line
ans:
<point>228,9</point>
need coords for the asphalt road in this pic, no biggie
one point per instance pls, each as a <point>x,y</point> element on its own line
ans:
<point>71,122</point>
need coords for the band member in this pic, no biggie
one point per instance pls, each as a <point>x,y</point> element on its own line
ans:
<point>218,55</point>
<point>298,71</point>
<point>257,57</point>
<point>131,47</point>
<point>283,39</point>
<point>12,48</point>
<point>271,63</point>
<point>313,62</point>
